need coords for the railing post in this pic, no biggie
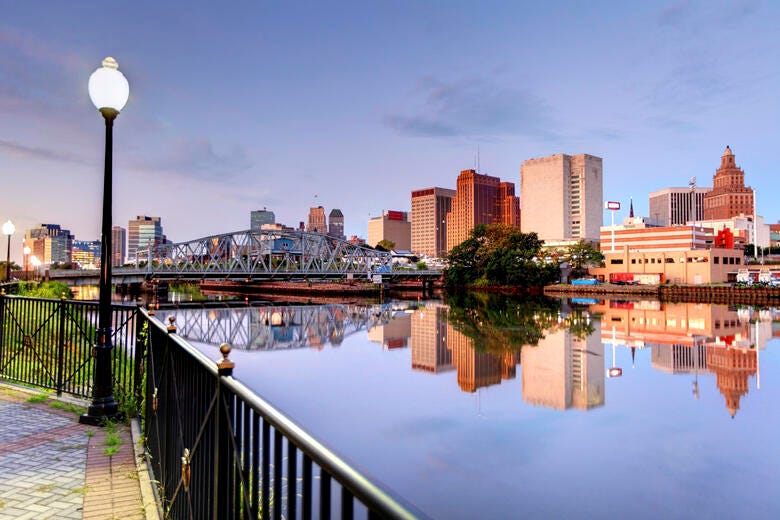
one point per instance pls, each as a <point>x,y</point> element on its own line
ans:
<point>2,329</point>
<point>141,340</point>
<point>223,446</point>
<point>61,343</point>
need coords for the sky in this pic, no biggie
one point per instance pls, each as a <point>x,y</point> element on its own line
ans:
<point>352,105</point>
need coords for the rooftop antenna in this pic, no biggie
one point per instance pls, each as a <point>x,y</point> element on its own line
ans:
<point>477,158</point>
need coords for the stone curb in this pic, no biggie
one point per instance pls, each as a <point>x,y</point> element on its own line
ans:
<point>151,503</point>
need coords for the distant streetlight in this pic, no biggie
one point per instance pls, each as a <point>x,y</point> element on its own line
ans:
<point>36,264</point>
<point>8,230</point>
<point>109,91</point>
<point>26,251</point>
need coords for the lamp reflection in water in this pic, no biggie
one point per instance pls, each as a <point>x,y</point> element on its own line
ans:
<point>614,371</point>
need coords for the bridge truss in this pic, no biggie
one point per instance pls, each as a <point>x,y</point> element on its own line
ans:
<point>263,254</point>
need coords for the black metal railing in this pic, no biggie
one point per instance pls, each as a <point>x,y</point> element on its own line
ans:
<point>220,451</point>
<point>48,343</point>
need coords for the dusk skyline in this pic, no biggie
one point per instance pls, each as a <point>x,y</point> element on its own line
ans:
<point>353,106</point>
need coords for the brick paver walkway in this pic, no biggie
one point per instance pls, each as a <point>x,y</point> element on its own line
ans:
<point>51,467</point>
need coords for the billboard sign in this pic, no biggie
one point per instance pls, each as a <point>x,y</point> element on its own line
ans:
<point>612,205</point>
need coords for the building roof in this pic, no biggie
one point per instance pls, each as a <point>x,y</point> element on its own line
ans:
<point>336,213</point>
<point>728,151</point>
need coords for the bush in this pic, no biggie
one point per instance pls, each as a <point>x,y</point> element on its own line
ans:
<point>49,289</point>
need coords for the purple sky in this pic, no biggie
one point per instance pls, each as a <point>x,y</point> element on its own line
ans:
<point>354,104</point>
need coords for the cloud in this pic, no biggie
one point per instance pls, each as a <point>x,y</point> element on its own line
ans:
<point>196,158</point>
<point>674,14</point>
<point>32,152</point>
<point>473,107</point>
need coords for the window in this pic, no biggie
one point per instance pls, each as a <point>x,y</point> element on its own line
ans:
<point>715,259</point>
<point>616,261</point>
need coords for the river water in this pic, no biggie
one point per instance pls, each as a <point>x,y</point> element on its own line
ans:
<point>490,407</point>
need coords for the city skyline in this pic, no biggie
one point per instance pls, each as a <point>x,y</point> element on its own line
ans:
<point>288,108</point>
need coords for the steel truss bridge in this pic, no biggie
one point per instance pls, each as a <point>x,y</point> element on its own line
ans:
<point>267,254</point>
<point>277,327</point>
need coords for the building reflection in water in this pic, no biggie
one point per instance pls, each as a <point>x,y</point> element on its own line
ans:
<point>565,369</point>
<point>694,339</point>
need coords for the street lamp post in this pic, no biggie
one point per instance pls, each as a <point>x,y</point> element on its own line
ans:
<point>8,230</point>
<point>26,251</point>
<point>108,90</point>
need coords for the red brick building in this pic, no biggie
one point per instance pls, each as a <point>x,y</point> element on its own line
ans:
<point>729,196</point>
<point>480,199</point>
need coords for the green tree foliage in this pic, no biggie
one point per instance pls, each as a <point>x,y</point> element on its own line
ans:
<point>385,245</point>
<point>583,254</point>
<point>500,323</point>
<point>499,255</point>
<point>45,290</point>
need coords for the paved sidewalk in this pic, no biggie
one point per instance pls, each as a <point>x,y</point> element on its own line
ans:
<point>53,467</point>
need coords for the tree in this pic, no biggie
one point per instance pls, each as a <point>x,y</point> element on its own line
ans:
<point>385,245</point>
<point>499,255</point>
<point>583,254</point>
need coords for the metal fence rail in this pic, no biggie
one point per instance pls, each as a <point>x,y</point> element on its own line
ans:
<point>220,451</point>
<point>48,343</point>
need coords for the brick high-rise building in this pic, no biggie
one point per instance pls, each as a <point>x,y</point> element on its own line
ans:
<point>480,199</point>
<point>317,222</point>
<point>429,220</point>
<point>561,197</point>
<point>118,245</point>
<point>729,196</point>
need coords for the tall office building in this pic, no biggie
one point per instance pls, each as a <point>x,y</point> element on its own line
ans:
<point>86,253</point>
<point>118,245</point>
<point>336,224</point>
<point>561,197</point>
<point>729,196</point>
<point>677,206</point>
<point>393,226</point>
<point>317,222</point>
<point>480,199</point>
<point>143,232</point>
<point>260,217</point>
<point>49,243</point>
<point>429,220</point>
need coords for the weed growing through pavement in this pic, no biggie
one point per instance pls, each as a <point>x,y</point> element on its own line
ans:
<point>38,398</point>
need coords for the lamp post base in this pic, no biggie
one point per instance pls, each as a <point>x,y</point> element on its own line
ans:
<point>101,412</point>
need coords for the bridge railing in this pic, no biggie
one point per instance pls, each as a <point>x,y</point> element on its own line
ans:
<point>220,451</point>
<point>48,343</point>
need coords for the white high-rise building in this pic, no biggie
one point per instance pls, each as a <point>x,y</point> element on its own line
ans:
<point>561,197</point>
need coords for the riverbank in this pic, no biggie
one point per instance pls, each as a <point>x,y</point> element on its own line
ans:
<point>722,294</point>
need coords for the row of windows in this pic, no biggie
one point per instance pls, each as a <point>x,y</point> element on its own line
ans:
<point>730,260</point>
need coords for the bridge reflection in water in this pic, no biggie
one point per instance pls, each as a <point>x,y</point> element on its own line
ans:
<point>279,327</point>
<point>564,363</point>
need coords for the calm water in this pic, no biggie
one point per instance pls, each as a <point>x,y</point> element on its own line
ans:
<point>494,408</point>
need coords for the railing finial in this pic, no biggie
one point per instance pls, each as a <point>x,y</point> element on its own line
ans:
<point>225,365</point>
<point>171,327</point>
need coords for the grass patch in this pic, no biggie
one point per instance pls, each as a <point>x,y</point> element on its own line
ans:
<point>111,450</point>
<point>112,441</point>
<point>45,489</point>
<point>91,433</point>
<point>81,490</point>
<point>2,504</point>
<point>68,407</point>
<point>38,398</point>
